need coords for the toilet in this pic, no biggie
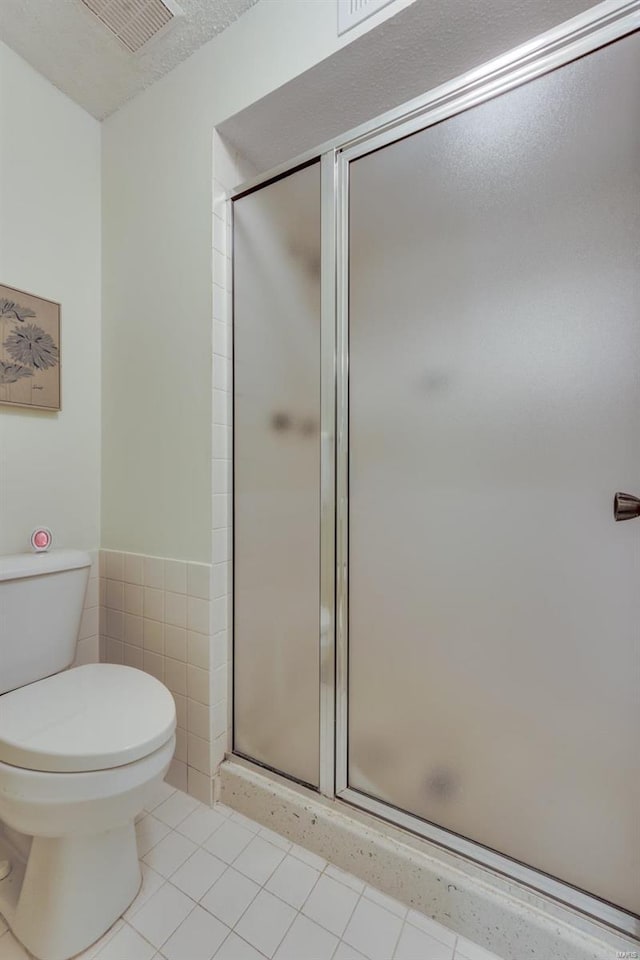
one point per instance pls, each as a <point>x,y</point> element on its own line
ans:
<point>82,751</point>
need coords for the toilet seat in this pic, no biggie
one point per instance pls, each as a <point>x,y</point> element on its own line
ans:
<point>95,717</point>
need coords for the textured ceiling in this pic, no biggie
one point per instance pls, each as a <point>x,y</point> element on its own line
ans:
<point>427,43</point>
<point>86,61</point>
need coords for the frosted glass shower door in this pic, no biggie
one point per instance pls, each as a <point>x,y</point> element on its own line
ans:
<point>494,604</point>
<point>277,474</point>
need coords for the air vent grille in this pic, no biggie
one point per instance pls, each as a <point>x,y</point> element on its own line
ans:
<point>351,12</point>
<point>134,22</point>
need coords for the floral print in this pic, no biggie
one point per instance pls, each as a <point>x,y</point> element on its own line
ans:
<point>13,310</point>
<point>29,349</point>
<point>31,346</point>
<point>12,372</point>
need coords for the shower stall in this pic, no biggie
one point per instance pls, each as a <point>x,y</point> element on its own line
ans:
<point>436,398</point>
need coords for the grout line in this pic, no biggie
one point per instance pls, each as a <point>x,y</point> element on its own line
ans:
<point>155,844</point>
<point>355,907</point>
<point>131,927</point>
<point>245,909</point>
<point>184,920</point>
<point>263,887</point>
<point>297,914</point>
<point>175,826</point>
<point>395,947</point>
<point>240,937</point>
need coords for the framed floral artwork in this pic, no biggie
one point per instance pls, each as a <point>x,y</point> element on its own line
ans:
<point>29,350</point>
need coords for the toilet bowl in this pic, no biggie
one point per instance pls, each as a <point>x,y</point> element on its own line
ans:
<point>81,753</point>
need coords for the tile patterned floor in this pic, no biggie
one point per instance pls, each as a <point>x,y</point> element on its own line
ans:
<point>218,885</point>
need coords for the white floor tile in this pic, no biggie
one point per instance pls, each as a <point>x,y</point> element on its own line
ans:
<point>347,878</point>
<point>198,874</point>
<point>10,949</point>
<point>373,930</point>
<point>275,838</point>
<point>170,853</point>
<point>200,824</point>
<point>162,914</point>
<point>176,808</point>
<point>415,943</point>
<point>245,822</point>
<point>162,792</point>
<point>431,927</point>
<point>127,944</point>
<point>234,948</point>
<point>282,905</point>
<point>331,904</point>
<point>151,881</point>
<point>293,881</point>
<point>345,952</point>
<point>230,896</point>
<point>265,923</point>
<point>228,841</point>
<point>259,859</point>
<point>149,831</point>
<point>91,952</point>
<point>313,859</point>
<point>393,906</point>
<point>306,939</point>
<point>467,950</point>
<point>197,938</point>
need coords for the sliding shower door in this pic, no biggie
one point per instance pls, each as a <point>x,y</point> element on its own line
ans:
<point>494,410</point>
<point>277,474</point>
<point>425,462</point>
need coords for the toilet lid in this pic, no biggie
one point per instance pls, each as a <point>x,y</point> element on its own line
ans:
<point>93,717</point>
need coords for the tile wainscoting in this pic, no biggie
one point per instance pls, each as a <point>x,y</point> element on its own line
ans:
<point>158,614</point>
<point>88,648</point>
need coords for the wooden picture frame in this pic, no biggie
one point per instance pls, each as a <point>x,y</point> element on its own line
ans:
<point>29,350</point>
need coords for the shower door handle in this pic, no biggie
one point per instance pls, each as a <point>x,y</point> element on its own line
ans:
<point>626,506</point>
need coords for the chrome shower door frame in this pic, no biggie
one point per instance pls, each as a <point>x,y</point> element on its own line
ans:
<point>329,444</point>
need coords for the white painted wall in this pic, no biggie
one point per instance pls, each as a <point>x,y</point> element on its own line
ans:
<point>50,245</point>
<point>157,176</point>
<point>157,236</point>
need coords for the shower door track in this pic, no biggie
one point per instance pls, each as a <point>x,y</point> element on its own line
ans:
<point>597,27</point>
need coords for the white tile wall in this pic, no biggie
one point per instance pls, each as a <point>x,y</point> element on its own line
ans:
<point>156,616</point>
<point>88,648</point>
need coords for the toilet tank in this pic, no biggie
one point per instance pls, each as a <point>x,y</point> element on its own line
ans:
<point>41,601</point>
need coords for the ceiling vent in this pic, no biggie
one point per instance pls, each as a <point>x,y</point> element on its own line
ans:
<point>135,22</point>
<point>352,12</point>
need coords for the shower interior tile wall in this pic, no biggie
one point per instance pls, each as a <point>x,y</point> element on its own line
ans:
<point>156,615</point>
